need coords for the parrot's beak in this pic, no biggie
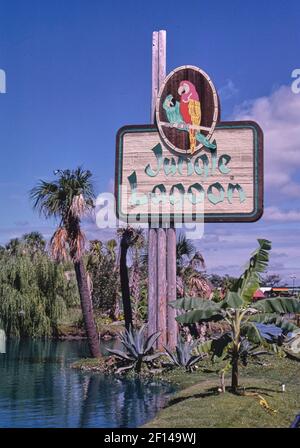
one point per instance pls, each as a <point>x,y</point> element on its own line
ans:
<point>181,90</point>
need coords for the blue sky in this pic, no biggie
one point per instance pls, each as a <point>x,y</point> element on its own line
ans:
<point>78,70</point>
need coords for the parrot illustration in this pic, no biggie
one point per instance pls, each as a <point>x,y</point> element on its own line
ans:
<point>190,108</point>
<point>174,116</point>
<point>172,109</point>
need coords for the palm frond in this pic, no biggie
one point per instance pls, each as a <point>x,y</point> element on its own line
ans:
<point>59,244</point>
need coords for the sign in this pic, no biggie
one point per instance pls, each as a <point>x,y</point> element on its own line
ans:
<point>187,110</point>
<point>190,166</point>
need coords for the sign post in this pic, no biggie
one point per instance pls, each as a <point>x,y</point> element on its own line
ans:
<point>161,241</point>
<point>185,167</point>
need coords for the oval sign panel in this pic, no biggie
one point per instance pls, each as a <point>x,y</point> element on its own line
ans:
<point>187,110</point>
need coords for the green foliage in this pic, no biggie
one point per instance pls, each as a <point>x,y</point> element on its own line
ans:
<point>184,250</point>
<point>57,198</point>
<point>34,292</point>
<point>204,310</point>
<point>140,303</point>
<point>238,313</point>
<point>183,356</point>
<point>138,348</point>
<point>278,305</point>
<point>188,303</point>
<point>101,266</point>
<point>250,280</point>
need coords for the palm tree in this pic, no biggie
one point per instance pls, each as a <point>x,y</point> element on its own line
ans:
<point>69,198</point>
<point>34,242</point>
<point>14,246</point>
<point>129,238</point>
<point>136,268</point>
<point>111,252</point>
<point>189,261</point>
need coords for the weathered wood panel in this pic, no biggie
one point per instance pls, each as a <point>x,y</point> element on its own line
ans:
<point>239,154</point>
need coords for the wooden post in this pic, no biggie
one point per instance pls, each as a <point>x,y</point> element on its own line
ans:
<point>152,281</point>
<point>161,262</point>
<point>162,286</point>
<point>172,326</point>
<point>152,235</point>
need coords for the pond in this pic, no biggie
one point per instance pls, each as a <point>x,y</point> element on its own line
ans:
<point>38,389</point>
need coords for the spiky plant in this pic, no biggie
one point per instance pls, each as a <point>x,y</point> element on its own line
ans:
<point>183,356</point>
<point>68,199</point>
<point>138,348</point>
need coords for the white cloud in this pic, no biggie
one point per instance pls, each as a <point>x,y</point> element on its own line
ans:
<point>228,90</point>
<point>279,117</point>
<point>276,214</point>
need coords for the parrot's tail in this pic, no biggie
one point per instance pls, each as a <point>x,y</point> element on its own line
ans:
<point>192,135</point>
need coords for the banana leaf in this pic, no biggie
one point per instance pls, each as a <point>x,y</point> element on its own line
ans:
<point>252,333</point>
<point>206,312</point>
<point>249,281</point>
<point>232,300</point>
<point>218,345</point>
<point>279,305</point>
<point>273,318</point>
<point>188,303</point>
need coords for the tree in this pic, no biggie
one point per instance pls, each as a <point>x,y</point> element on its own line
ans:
<point>14,246</point>
<point>238,311</point>
<point>271,280</point>
<point>136,274</point>
<point>104,277</point>
<point>34,294</point>
<point>69,198</point>
<point>130,238</point>
<point>189,262</point>
<point>34,242</point>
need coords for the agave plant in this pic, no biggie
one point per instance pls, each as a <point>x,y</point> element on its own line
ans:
<point>238,311</point>
<point>138,348</point>
<point>183,356</point>
<point>292,345</point>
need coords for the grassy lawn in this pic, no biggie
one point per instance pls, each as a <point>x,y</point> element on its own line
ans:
<point>199,405</point>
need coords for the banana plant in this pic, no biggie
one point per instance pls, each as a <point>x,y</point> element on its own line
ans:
<point>238,311</point>
<point>138,348</point>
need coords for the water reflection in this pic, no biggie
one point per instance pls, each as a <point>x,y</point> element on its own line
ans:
<point>38,389</point>
<point>2,341</point>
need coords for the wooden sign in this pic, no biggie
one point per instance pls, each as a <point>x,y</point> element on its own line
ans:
<point>187,110</point>
<point>190,166</point>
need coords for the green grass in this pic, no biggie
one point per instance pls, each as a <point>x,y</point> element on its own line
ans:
<point>71,326</point>
<point>200,405</point>
<point>90,365</point>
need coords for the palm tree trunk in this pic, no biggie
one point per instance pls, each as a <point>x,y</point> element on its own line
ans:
<point>125,286</point>
<point>87,309</point>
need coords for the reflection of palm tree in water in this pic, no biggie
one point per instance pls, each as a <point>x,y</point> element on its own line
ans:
<point>128,403</point>
<point>91,401</point>
<point>141,401</point>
